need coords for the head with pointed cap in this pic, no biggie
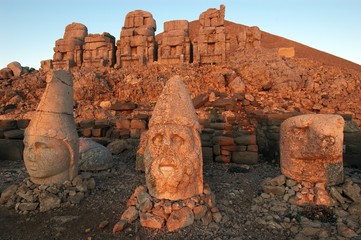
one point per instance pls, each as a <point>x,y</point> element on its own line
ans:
<point>173,156</point>
<point>51,140</point>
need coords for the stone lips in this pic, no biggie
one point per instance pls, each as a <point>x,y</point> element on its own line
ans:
<point>311,148</point>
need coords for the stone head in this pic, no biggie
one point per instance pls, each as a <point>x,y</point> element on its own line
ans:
<point>173,156</point>
<point>51,140</point>
<point>311,148</point>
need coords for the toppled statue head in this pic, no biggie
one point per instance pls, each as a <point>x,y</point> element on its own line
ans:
<point>51,140</point>
<point>311,148</point>
<point>173,156</point>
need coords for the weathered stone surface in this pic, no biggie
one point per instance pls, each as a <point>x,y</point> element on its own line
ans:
<point>199,211</point>
<point>249,38</point>
<point>246,140</point>
<point>175,45</point>
<point>137,39</point>
<point>151,221</point>
<point>119,226</point>
<point>68,51</point>
<point>200,100</point>
<point>278,181</point>
<point>321,195</point>
<point>180,219</point>
<point>51,140</point>
<point>7,193</point>
<point>311,148</point>
<point>48,201</point>
<point>276,190</point>
<point>99,50</point>
<point>16,68</point>
<point>130,215</point>
<point>173,155</point>
<point>139,161</point>
<point>212,42</point>
<point>6,73</point>
<point>286,52</point>
<point>118,146</point>
<point>93,156</point>
<point>237,86</point>
<point>245,157</point>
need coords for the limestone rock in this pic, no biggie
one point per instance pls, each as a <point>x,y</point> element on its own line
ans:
<point>6,73</point>
<point>99,50</point>
<point>48,201</point>
<point>68,50</point>
<point>180,219</point>
<point>130,215</point>
<point>93,156</point>
<point>237,86</point>
<point>311,148</point>
<point>7,193</point>
<point>137,39</point>
<point>212,42</point>
<point>118,146</point>
<point>151,221</point>
<point>16,68</point>
<point>175,45</point>
<point>173,155</point>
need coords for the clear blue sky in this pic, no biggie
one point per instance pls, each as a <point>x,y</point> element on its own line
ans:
<point>29,29</point>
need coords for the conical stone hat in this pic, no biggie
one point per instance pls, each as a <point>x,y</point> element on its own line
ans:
<point>175,106</point>
<point>54,115</point>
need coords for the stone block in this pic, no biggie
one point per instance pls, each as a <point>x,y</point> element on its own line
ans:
<point>200,100</point>
<point>246,140</point>
<point>252,148</point>
<point>87,123</point>
<point>176,25</point>
<point>286,52</point>
<point>137,124</point>
<point>123,106</point>
<point>223,140</point>
<point>122,123</point>
<point>245,157</point>
<point>222,159</point>
<point>135,133</point>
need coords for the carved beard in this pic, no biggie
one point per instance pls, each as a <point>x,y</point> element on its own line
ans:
<point>167,171</point>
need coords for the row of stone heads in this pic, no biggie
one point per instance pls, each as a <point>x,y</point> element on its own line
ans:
<point>137,43</point>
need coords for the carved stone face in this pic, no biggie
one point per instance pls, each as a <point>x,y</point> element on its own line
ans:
<point>311,148</point>
<point>46,157</point>
<point>173,163</point>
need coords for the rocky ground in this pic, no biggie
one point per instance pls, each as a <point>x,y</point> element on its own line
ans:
<point>247,212</point>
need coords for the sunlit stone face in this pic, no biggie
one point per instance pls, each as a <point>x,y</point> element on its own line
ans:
<point>46,158</point>
<point>173,162</point>
<point>311,148</point>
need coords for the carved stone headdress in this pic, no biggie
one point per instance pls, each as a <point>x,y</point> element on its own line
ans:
<point>175,106</point>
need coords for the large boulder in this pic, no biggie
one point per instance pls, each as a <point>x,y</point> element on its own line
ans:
<point>6,73</point>
<point>16,68</point>
<point>93,156</point>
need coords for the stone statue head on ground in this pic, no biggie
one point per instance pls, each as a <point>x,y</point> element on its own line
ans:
<point>51,140</point>
<point>173,156</point>
<point>311,148</point>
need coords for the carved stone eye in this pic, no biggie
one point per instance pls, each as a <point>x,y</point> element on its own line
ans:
<point>177,140</point>
<point>157,139</point>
